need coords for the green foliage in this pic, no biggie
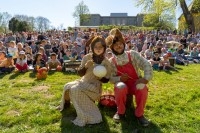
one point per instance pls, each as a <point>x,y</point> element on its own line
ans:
<point>196,7</point>
<point>13,24</point>
<point>18,26</point>
<point>151,20</point>
<point>159,13</point>
<point>28,105</point>
<point>70,28</point>
<point>109,27</point>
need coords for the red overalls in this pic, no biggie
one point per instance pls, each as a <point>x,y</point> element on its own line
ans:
<point>121,94</point>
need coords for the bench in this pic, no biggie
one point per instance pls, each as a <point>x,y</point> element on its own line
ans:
<point>71,65</point>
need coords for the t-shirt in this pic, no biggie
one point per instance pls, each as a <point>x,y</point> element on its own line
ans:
<point>13,51</point>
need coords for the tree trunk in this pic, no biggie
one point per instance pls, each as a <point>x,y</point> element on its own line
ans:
<point>188,16</point>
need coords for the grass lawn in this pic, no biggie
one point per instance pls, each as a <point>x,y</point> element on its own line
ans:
<point>28,105</point>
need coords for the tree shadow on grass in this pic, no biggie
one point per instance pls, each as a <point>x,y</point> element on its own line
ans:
<point>14,75</point>
<point>131,125</point>
<point>69,114</point>
<point>32,74</point>
<point>2,75</point>
<point>178,68</point>
<point>51,72</point>
<point>68,72</point>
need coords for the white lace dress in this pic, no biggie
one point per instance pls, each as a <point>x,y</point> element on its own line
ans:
<point>83,93</point>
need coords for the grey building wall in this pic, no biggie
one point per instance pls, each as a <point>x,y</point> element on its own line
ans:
<point>114,19</point>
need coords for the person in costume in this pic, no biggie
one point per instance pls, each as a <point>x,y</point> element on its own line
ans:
<point>126,75</point>
<point>85,91</point>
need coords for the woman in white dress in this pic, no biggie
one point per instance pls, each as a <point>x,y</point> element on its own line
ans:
<point>85,91</point>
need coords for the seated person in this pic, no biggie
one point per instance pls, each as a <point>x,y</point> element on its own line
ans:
<point>2,56</point>
<point>149,53</point>
<point>67,55</point>
<point>155,61</point>
<point>53,63</point>
<point>82,54</point>
<point>165,64</point>
<point>21,63</point>
<point>194,55</point>
<point>38,62</point>
<point>8,64</point>
<point>29,59</point>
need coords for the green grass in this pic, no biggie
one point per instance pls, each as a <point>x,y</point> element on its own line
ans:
<point>28,105</point>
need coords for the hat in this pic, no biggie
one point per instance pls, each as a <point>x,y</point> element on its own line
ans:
<point>115,35</point>
<point>53,54</point>
<point>9,55</point>
<point>21,52</point>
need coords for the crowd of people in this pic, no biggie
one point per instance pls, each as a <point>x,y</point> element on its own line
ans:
<point>124,54</point>
<point>22,50</point>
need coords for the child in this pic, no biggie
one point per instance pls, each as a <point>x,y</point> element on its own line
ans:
<point>8,64</point>
<point>2,56</point>
<point>165,64</point>
<point>53,63</point>
<point>21,63</point>
<point>38,62</point>
<point>12,49</point>
<point>155,61</point>
<point>29,59</point>
<point>44,56</point>
<point>85,91</point>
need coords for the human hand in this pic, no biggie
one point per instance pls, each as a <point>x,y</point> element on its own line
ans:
<point>89,63</point>
<point>124,77</point>
<point>141,81</point>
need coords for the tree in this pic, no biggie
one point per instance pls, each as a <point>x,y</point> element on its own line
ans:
<point>188,15</point>
<point>82,13</point>
<point>23,26</point>
<point>16,25</point>
<point>158,13</point>
<point>42,24</point>
<point>4,20</point>
<point>13,24</point>
<point>148,5</point>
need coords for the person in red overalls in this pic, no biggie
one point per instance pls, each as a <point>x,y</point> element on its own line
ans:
<point>127,78</point>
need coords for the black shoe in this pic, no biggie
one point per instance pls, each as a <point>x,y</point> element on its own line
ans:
<point>118,117</point>
<point>143,121</point>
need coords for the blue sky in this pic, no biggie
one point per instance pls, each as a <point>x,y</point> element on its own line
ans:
<point>60,11</point>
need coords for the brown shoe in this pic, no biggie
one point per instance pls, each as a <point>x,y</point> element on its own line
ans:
<point>143,121</point>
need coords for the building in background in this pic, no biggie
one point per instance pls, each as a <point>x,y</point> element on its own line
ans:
<point>114,19</point>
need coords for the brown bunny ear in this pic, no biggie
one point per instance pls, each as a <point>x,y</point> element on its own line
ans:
<point>89,41</point>
<point>117,35</point>
<point>109,40</point>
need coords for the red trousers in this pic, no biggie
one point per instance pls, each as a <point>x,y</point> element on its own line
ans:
<point>21,68</point>
<point>140,98</point>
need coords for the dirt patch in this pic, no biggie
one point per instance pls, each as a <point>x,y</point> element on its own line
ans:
<point>40,88</point>
<point>48,96</point>
<point>13,113</point>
